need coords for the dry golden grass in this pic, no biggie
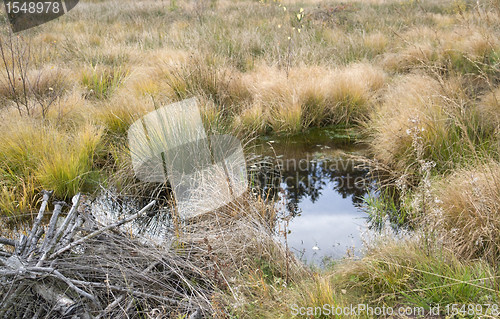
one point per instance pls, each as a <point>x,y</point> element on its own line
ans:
<point>421,77</point>
<point>39,156</point>
<point>410,270</point>
<point>467,212</point>
<point>117,114</point>
<point>312,96</point>
<point>489,108</point>
<point>410,58</point>
<point>413,101</point>
<point>376,41</point>
<point>122,59</point>
<point>253,118</point>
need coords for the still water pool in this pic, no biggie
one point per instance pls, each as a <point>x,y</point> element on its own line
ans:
<point>314,181</point>
<point>317,183</point>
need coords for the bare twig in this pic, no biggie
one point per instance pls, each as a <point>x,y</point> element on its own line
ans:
<point>31,250</point>
<point>109,307</point>
<point>127,290</point>
<point>102,230</point>
<point>22,243</point>
<point>52,224</point>
<point>69,218</point>
<point>9,242</point>
<point>76,289</point>
<point>65,240</point>
<point>38,220</point>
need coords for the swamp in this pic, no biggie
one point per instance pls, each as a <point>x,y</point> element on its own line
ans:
<point>251,159</point>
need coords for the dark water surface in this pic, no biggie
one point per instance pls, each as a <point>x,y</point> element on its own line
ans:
<point>318,187</point>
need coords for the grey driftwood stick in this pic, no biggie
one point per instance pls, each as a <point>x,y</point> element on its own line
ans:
<point>52,224</point>
<point>58,275</point>
<point>102,230</point>
<point>65,240</point>
<point>60,300</point>
<point>69,228</point>
<point>62,228</point>
<point>31,249</point>
<point>38,219</point>
<point>20,246</point>
<point>69,218</point>
<point>9,242</point>
<point>127,290</point>
<point>109,307</point>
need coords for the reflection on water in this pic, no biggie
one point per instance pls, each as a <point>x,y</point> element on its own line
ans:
<point>318,188</point>
<point>318,178</point>
<point>314,184</point>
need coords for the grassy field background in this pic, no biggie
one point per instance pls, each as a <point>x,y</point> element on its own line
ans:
<point>419,79</point>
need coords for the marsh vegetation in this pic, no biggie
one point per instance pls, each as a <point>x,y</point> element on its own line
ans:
<point>417,80</point>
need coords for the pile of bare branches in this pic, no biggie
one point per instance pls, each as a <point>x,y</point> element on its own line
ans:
<point>76,268</point>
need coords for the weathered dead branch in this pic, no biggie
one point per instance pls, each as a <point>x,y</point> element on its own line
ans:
<point>63,269</point>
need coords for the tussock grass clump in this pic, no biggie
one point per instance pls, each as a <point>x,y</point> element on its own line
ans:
<point>35,156</point>
<point>467,211</point>
<point>119,112</point>
<point>450,48</point>
<point>352,91</point>
<point>70,111</point>
<point>470,51</point>
<point>377,42</point>
<point>268,98</point>
<point>424,118</point>
<point>489,109</point>
<point>414,98</point>
<point>65,166</point>
<point>16,195</point>
<point>412,57</point>
<point>147,81</point>
<point>312,96</point>
<point>253,118</point>
<point>208,79</point>
<point>101,82</point>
